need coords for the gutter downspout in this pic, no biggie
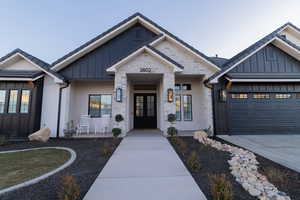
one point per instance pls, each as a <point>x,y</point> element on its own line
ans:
<point>59,108</point>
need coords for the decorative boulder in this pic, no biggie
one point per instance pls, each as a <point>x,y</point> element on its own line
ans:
<point>41,135</point>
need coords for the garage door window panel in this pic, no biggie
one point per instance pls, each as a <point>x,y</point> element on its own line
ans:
<point>261,96</point>
<point>283,96</point>
<point>239,96</point>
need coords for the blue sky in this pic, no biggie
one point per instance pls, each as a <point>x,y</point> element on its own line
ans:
<point>50,29</point>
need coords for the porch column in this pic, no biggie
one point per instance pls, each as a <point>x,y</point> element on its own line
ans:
<point>168,81</point>
<point>121,107</point>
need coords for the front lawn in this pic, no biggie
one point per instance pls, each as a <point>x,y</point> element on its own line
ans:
<point>91,157</point>
<point>22,166</point>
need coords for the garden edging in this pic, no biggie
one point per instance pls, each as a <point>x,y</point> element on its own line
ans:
<point>37,179</point>
<point>243,166</point>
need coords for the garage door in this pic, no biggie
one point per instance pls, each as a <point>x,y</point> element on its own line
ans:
<point>264,113</point>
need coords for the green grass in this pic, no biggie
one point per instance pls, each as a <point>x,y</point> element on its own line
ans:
<point>19,167</point>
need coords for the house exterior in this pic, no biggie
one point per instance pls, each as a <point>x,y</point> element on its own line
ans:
<point>143,72</point>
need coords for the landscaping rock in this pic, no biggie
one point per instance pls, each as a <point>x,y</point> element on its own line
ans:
<point>244,167</point>
<point>42,135</point>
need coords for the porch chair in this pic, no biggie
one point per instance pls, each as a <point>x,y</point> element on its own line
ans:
<point>84,124</point>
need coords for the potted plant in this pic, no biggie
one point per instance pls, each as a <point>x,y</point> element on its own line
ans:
<point>117,131</point>
<point>172,131</point>
<point>70,129</point>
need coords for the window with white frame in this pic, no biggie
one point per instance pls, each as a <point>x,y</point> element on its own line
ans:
<point>100,105</point>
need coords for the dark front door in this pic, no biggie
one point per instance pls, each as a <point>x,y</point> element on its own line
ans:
<point>145,111</point>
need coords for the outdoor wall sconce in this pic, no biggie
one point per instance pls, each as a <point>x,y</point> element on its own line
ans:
<point>119,94</point>
<point>222,95</point>
<point>170,95</point>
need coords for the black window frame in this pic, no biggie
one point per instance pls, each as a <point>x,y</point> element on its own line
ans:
<point>29,102</point>
<point>180,109</point>
<point>100,114</point>
<point>17,101</point>
<point>191,107</point>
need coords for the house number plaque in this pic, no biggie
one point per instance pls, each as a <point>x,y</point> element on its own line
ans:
<point>145,69</point>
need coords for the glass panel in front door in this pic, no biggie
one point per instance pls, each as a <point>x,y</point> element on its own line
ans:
<point>139,111</point>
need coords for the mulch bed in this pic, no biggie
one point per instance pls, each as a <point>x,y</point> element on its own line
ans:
<point>290,179</point>
<point>212,162</point>
<point>85,169</point>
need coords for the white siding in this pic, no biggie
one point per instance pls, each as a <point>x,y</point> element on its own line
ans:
<point>22,65</point>
<point>50,105</point>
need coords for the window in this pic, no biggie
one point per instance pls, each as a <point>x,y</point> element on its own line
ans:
<point>282,96</point>
<point>2,100</point>
<point>178,107</point>
<point>150,106</point>
<point>13,97</point>
<point>25,101</point>
<point>139,110</point>
<point>100,105</point>
<point>187,107</point>
<point>239,96</point>
<point>177,87</point>
<point>186,87</point>
<point>182,87</point>
<point>261,96</point>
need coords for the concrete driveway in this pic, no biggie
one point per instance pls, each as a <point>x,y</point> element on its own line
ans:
<point>283,149</point>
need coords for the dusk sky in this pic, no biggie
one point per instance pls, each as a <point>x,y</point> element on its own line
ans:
<point>51,29</point>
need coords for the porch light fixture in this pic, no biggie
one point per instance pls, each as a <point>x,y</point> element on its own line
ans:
<point>222,95</point>
<point>119,94</point>
<point>170,95</point>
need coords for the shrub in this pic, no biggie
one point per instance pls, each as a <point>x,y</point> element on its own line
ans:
<point>275,175</point>
<point>182,146</point>
<point>174,140</point>
<point>3,140</point>
<point>171,117</point>
<point>193,162</point>
<point>70,189</point>
<point>107,149</point>
<point>172,131</point>
<point>119,118</point>
<point>116,132</point>
<point>221,189</point>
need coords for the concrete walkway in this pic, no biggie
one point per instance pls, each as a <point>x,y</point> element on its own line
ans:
<point>144,166</point>
<point>283,149</point>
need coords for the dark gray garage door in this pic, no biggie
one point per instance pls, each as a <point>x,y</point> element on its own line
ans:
<point>264,113</point>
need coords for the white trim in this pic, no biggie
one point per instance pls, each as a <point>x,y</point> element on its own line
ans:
<point>215,80</point>
<point>192,52</point>
<point>104,39</point>
<point>289,27</point>
<point>117,31</point>
<point>44,176</point>
<point>113,68</point>
<point>57,80</point>
<point>262,80</point>
<point>20,79</point>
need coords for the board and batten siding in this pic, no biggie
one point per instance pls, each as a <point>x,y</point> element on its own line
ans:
<point>93,65</point>
<point>20,125</point>
<point>269,62</point>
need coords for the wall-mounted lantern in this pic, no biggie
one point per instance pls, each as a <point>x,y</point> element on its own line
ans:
<point>222,95</point>
<point>119,95</point>
<point>170,95</point>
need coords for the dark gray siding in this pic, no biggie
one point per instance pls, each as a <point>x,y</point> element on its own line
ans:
<point>229,114</point>
<point>20,125</point>
<point>93,65</point>
<point>269,62</point>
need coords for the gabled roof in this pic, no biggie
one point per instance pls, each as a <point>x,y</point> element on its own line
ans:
<point>149,49</point>
<point>43,66</point>
<point>234,61</point>
<point>117,29</point>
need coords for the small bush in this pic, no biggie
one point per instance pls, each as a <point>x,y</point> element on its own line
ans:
<point>182,146</point>
<point>221,189</point>
<point>275,175</point>
<point>193,162</point>
<point>3,140</point>
<point>70,189</point>
<point>107,149</point>
<point>119,118</point>
<point>174,140</point>
<point>116,132</point>
<point>172,131</point>
<point>171,117</point>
